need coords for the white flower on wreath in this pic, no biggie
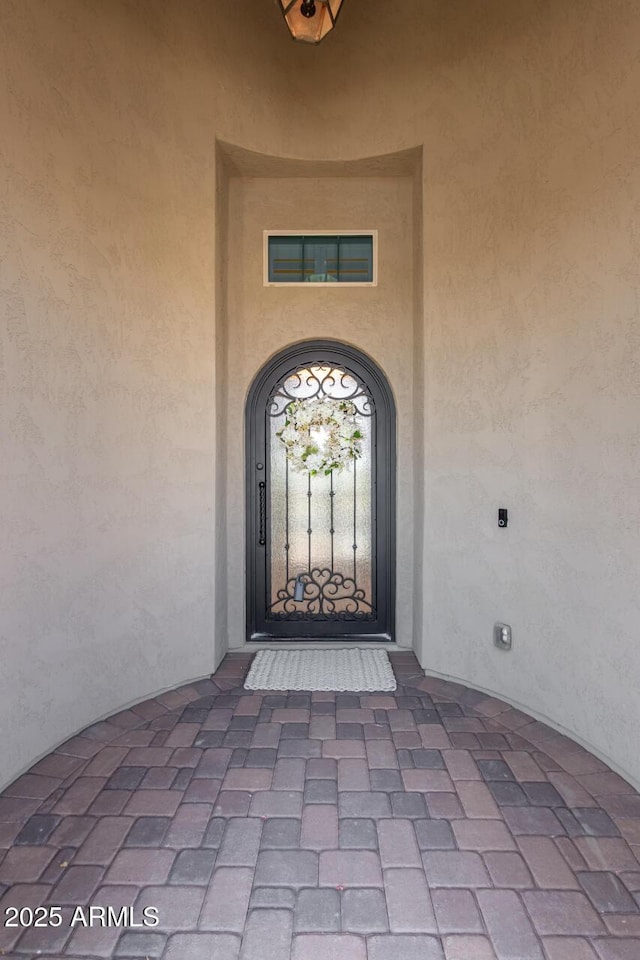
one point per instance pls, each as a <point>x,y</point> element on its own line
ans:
<point>304,416</point>
<point>314,463</point>
<point>337,449</point>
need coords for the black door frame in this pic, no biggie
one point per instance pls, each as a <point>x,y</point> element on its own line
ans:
<point>257,489</point>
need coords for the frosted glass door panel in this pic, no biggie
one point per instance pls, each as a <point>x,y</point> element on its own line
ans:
<point>321,527</point>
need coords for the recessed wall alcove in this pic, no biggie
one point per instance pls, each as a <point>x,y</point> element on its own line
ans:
<point>259,192</point>
<point>134,319</point>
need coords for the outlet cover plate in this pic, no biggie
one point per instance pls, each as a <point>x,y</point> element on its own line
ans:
<point>502,636</point>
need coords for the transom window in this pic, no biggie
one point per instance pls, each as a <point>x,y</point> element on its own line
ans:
<point>325,258</point>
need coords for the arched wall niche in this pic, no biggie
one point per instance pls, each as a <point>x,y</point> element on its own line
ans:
<point>254,322</point>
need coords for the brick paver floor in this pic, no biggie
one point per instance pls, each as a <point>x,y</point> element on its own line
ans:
<point>432,824</point>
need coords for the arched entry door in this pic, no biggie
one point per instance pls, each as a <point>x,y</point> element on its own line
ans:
<point>321,497</point>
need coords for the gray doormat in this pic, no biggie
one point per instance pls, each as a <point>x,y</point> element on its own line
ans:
<point>339,670</point>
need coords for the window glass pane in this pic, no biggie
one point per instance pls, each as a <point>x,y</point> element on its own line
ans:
<point>321,259</point>
<point>356,260</point>
<point>285,259</point>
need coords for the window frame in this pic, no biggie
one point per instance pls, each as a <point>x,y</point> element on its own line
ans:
<point>266,234</point>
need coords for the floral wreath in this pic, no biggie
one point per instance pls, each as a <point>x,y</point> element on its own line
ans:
<point>341,445</point>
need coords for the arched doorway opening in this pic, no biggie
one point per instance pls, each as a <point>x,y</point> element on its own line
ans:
<point>321,479</point>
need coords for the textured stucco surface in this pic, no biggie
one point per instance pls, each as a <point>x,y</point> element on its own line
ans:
<point>263,320</point>
<point>528,115</point>
<point>107,416</point>
<point>533,378</point>
<point>528,118</point>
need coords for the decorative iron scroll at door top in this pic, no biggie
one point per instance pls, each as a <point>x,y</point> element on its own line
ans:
<point>322,522</point>
<point>321,380</point>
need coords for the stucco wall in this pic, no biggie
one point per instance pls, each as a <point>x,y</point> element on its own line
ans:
<point>108,114</point>
<point>528,117</point>
<point>532,364</point>
<point>262,320</point>
<point>528,114</point>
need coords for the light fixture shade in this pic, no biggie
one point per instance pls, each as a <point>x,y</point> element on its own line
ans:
<point>310,29</point>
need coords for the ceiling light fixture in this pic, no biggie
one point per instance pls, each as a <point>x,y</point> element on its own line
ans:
<point>310,20</point>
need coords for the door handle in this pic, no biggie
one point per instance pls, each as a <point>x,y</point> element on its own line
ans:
<point>262,496</point>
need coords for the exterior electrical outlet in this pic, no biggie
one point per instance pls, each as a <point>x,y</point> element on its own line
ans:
<point>502,636</point>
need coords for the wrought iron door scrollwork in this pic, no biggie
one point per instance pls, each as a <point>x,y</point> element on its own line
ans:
<point>333,528</point>
<point>328,595</point>
<point>320,379</point>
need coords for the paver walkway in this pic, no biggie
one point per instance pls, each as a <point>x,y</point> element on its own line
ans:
<point>432,823</point>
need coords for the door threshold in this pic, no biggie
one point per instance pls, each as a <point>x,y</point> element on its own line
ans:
<point>251,645</point>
